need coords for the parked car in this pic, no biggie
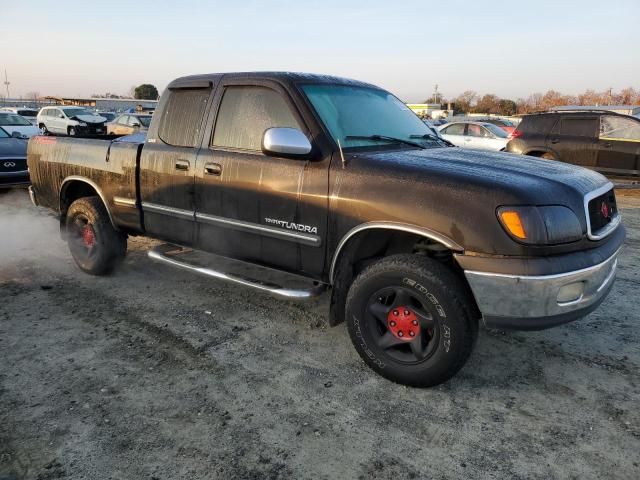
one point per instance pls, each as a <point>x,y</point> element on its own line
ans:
<point>502,123</point>
<point>604,141</point>
<point>110,116</point>
<point>13,123</point>
<point>129,123</point>
<point>480,135</point>
<point>30,114</point>
<point>13,161</point>
<point>337,182</point>
<point>72,121</point>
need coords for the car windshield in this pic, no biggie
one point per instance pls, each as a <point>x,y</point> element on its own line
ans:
<point>108,116</point>
<point>13,120</point>
<point>72,112</point>
<point>365,117</point>
<point>3,133</point>
<point>497,131</point>
<point>145,120</point>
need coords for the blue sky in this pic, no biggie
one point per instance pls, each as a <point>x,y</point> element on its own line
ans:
<point>511,48</point>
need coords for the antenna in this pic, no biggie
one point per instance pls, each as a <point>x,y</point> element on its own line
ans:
<point>6,82</point>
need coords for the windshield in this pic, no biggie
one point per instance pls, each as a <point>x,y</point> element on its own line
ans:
<point>497,131</point>
<point>108,116</point>
<point>349,112</point>
<point>13,120</point>
<point>72,112</point>
<point>4,134</point>
<point>145,120</point>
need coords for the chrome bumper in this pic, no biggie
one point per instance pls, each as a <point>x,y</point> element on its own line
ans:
<point>533,302</point>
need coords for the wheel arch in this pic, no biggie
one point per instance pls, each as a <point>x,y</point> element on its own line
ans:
<point>356,232</point>
<point>75,187</point>
<point>368,242</point>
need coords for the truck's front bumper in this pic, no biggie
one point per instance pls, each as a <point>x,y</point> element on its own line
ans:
<point>535,302</point>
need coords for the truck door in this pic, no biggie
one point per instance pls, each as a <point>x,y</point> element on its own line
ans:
<point>574,139</point>
<point>263,209</point>
<point>619,145</point>
<point>168,162</point>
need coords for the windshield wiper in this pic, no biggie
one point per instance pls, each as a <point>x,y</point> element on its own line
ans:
<point>430,136</point>
<point>384,137</point>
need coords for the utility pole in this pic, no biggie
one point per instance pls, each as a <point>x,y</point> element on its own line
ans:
<point>6,82</point>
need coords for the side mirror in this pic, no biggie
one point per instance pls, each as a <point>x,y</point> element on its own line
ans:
<point>16,135</point>
<point>285,141</point>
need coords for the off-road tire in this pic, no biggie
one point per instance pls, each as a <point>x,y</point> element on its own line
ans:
<point>109,246</point>
<point>435,288</point>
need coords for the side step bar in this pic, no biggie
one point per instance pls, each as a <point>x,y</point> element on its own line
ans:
<point>166,253</point>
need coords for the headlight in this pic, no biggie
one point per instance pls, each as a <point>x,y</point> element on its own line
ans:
<point>541,225</point>
<point>82,124</point>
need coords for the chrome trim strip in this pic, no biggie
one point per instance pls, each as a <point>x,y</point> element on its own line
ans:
<point>95,187</point>
<point>545,277</point>
<point>157,253</point>
<point>172,212</point>
<point>605,231</point>
<point>313,240</point>
<point>424,232</point>
<point>124,202</point>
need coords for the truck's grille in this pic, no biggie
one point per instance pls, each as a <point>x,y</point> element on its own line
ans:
<point>12,165</point>
<point>602,210</point>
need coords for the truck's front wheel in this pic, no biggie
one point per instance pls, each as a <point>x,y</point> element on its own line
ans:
<point>95,245</point>
<point>411,320</point>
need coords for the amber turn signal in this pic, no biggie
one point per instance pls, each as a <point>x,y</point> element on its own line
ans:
<point>511,220</point>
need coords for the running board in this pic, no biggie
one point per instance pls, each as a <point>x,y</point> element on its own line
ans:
<point>167,253</point>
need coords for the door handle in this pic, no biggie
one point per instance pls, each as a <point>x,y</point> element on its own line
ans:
<point>182,164</point>
<point>213,169</point>
<point>554,141</point>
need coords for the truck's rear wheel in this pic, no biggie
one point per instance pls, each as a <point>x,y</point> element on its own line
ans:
<point>411,320</point>
<point>95,245</point>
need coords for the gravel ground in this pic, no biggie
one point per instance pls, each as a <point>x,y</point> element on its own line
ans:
<point>154,373</point>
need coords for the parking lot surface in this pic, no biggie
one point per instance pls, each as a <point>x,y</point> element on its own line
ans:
<point>156,373</point>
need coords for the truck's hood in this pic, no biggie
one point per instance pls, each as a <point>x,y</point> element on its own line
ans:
<point>89,118</point>
<point>503,170</point>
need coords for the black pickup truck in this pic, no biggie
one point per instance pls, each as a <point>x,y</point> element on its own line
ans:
<point>339,184</point>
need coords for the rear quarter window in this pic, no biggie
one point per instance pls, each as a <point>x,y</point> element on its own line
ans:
<point>182,117</point>
<point>537,124</point>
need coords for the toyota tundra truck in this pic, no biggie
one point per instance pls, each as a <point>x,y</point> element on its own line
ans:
<point>336,185</point>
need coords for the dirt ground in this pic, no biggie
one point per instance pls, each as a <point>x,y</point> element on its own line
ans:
<point>154,373</point>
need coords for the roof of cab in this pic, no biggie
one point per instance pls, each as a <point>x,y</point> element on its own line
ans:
<point>205,80</point>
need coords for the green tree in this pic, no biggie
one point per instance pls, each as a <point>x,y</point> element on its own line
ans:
<point>507,107</point>
<point>146,91</point>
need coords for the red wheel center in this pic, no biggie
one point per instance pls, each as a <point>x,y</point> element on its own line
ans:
<point>403,323</point>
<point>88,236</point>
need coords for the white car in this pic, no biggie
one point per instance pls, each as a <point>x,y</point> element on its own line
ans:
<point>480,135</point>
<point>64,120</point>
<point>17,126</point>
<point>28,113</point>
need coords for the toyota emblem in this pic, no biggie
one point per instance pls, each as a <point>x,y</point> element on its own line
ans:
<point>9,164</point>
<point>604,209</point>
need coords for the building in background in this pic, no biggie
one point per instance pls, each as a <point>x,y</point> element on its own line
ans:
<point>430,110</point>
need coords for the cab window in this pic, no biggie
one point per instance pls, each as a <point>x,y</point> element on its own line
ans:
<point>182,117</point>
<point>244,115</point>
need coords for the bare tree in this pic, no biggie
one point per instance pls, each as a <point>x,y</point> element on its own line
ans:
<point>32,95</point>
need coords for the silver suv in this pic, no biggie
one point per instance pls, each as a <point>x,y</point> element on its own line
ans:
<point>72,121</point>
